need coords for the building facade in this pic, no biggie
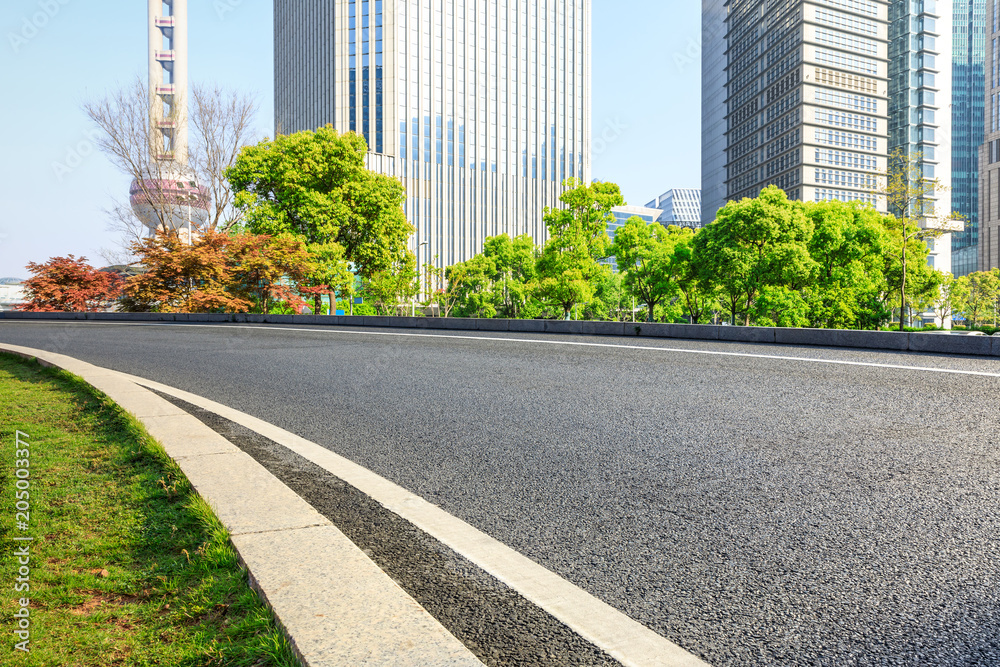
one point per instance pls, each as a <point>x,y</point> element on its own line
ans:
<point>819,93</point>
<point>806,98</point>
<point>680,207</point>
<point>968,95</point>
<point>480,107</point>
<point>920,70</point>
<point>989,152</point>
<point>713,108</point>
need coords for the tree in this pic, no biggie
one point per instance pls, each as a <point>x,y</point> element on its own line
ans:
<point>849,244</point>
<point>976,297</point>
<point>217,273</point>
<point>700,297</point>
<point>314,185</point>
<point>645,252</point>
<point>69,284</point>
<point>393,286</point>
<point>470,284</point>
<point>754,244</point>
<point>221,123</point>
<point>568,266</point>
<point>262,269</point>
<point>911,199</point>
<point>515,272</point>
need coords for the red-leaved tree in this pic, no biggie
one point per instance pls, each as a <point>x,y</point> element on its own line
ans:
<point>70,284</point>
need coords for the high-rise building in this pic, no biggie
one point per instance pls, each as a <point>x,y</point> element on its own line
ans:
<point>713,108</point>
<point>167,196</point>
<point>806,84</point>
<point>680,207</point>
<point>989,152</point>
<point>968,95</point>
<point>481,108</point>
<point>920,45</point>
<point>817,95</point>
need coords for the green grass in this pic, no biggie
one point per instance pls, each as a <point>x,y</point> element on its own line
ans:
<point>129,566</point>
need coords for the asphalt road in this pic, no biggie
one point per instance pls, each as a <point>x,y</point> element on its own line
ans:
<point>756,511</point>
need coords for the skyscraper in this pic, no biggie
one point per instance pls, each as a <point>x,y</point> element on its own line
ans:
<point>806,84</point>
<point>713,108</point>
<point>481,107</point>
<point>989,152</point>
<point>920,71</point>
<point>968,95</point>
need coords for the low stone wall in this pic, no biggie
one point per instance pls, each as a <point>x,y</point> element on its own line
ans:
<point>877,340</point>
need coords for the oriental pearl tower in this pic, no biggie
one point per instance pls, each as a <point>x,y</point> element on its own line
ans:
<point>169,197</point>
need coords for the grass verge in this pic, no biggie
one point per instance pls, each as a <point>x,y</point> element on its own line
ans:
<point>128,565</point>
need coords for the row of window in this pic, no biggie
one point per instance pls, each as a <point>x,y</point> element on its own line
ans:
<point>823,194</point>
<point>851,121</point>
<point>866,7</point>
<point>844,179</point>
<point>847,22</point>
<point>860,84</point>
<point>845,159</point>
<point>847,140</point>
<point>846,41</point>
<point>847,61</point>
<point>847,100</point>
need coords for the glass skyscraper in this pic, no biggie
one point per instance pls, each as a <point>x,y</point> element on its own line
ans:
<point>989,152</point>
<point>968,94</point>
<point>480,107</point>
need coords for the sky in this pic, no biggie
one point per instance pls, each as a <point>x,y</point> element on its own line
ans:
<point>55,55</point>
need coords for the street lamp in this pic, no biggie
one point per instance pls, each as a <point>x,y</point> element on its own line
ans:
<point>413,311</point>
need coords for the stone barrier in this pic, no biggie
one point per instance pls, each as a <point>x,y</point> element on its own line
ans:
<point>872,340</point>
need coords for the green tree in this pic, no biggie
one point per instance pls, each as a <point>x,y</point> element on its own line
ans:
<point>514,275</point>
<point>849,244</point>
<point>976,297</point>
<point>470,283</point>
<point>911,199</point>
<point>700,297</point>
<point>645,253</point>
<point>569,265</point>
<point>754,244</point>
<point>393,286</point>
<point>314,185</point>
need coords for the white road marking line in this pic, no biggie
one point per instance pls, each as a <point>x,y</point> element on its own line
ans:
<point>630,642</point>
<point>676,350</point>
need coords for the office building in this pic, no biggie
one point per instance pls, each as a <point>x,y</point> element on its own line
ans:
<point>968,95</point>
<point>481,108</point>
<point>920,45</point>
<point>680,207</point>
<point>806,97</point>
<point>713,108</point>
<point>989,152</point>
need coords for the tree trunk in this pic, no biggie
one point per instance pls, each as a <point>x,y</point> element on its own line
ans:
<point>317,304</point>
<point>902,287</point>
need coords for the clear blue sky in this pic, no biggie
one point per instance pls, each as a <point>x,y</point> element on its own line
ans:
<point>56,54</point>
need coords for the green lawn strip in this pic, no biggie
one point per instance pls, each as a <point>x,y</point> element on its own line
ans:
<point>129,566</point>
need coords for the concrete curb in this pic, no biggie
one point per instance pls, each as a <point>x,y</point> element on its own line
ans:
<point>336,606</point>
<point>871,340</point>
